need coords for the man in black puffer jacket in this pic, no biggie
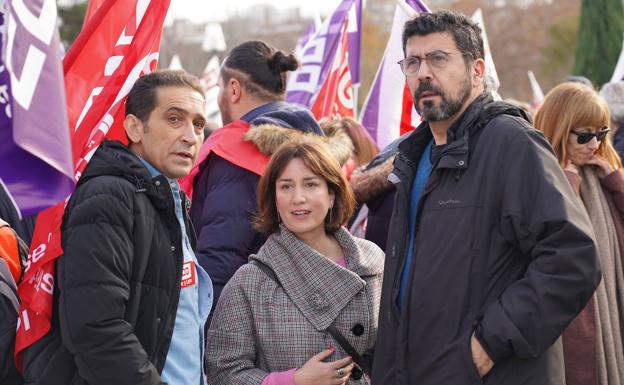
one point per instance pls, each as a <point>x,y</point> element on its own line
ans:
<point>128,304</point>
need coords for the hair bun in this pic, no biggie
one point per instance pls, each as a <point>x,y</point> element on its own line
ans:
<point>280,63</point>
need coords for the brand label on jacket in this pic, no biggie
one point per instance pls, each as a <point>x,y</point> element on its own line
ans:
<point>189,275</point>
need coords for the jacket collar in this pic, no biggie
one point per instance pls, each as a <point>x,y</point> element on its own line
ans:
<point>260,110</point>
<point>319,287</point>
<point>115,159</point>
<point>269,137</point>
<point>455,154</point>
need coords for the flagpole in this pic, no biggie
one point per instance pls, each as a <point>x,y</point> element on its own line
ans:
<point>355,93</point>
<point>618,73</point>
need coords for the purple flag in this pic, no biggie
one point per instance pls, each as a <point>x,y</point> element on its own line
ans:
<point>317,57</point>
<point>418,6</point>
<point>307,34</point>
<point>355,41</point>
<point>36,164</point>
<point>388,111</point>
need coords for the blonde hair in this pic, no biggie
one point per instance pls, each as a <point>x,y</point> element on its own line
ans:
<point>569,106</point>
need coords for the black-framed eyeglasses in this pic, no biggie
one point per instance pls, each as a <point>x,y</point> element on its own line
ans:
<point>436,60</point>
<point>586,137</point>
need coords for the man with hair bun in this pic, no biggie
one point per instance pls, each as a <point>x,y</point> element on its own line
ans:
<point>252,85</point>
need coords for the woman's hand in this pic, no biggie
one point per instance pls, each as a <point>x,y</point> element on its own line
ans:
<point>317,372</point>
<point>603,168</point>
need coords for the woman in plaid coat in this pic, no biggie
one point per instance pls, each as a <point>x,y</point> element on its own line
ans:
<point>274,332</point>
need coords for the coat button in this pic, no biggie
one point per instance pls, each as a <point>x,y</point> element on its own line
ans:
<point>157,183</point>
<point>172,248</point>
<point>461,162</point>
<point>356,373</point>
<point>357,330</point>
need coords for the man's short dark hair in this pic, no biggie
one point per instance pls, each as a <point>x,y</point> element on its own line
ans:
<point>142,97</point>
<point>260,68</point>
<point>465,32</point>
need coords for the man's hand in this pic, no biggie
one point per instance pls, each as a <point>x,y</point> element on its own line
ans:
<point>481,360</point>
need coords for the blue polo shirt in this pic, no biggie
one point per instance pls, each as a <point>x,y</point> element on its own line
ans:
<point>185,359</point>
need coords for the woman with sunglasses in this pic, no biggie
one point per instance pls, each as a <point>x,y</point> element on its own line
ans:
<point>574,119</point>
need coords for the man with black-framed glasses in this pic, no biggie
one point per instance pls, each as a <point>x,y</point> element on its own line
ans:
<point>488,257</point>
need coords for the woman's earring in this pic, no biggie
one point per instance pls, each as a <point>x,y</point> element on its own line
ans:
<point>279,219</point>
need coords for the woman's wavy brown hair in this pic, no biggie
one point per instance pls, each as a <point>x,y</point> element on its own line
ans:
<point>315,155</point>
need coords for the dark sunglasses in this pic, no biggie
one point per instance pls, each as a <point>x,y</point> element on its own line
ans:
<point>586,137</point>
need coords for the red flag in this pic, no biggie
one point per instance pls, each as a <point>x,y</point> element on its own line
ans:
<point>335,98</point>
<point>118,44</point>
<point>94,6</point>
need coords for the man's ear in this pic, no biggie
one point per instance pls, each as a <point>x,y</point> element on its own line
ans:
<point>478,71</point>
<point>234,90</point>
<point>134,128</point>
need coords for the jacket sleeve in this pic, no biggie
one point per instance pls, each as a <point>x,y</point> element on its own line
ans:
<point>544,220</point>
<point>614,184</point>
<point>94,286</point>
<point>224,221</point>
<point>368,183</point>
<point>8,322</point>
<point>231,353</point>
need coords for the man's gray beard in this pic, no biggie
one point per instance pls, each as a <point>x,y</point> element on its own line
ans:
<point>447,107</point>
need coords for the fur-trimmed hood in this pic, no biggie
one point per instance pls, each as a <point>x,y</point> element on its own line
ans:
<point>268,138</point>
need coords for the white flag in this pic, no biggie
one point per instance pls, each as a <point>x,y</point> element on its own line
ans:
<point>209,79</point>
<point>618,73</point>
<point>175,63</point>
<point>491,76</point>
<point>389,109</point>
<point>538,94</point>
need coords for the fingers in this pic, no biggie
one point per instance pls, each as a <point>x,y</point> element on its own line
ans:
<point>323,354</point>
<point>345,378</point>
<point>348,370</point>
<point>601,163</point>
<point>341,363</point>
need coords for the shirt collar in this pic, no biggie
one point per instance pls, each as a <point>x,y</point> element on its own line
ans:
<point>154,172</point>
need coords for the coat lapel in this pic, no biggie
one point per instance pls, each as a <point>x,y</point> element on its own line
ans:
<point>319,288</point>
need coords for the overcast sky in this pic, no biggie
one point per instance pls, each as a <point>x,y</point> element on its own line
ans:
<point>209,10</point>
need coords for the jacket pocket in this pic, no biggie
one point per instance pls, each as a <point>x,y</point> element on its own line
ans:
<point>471,369</point>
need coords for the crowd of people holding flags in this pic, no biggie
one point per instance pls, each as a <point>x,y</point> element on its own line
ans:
<point>444,237</point>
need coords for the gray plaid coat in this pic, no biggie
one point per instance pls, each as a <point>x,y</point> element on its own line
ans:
<point>259,327</point>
